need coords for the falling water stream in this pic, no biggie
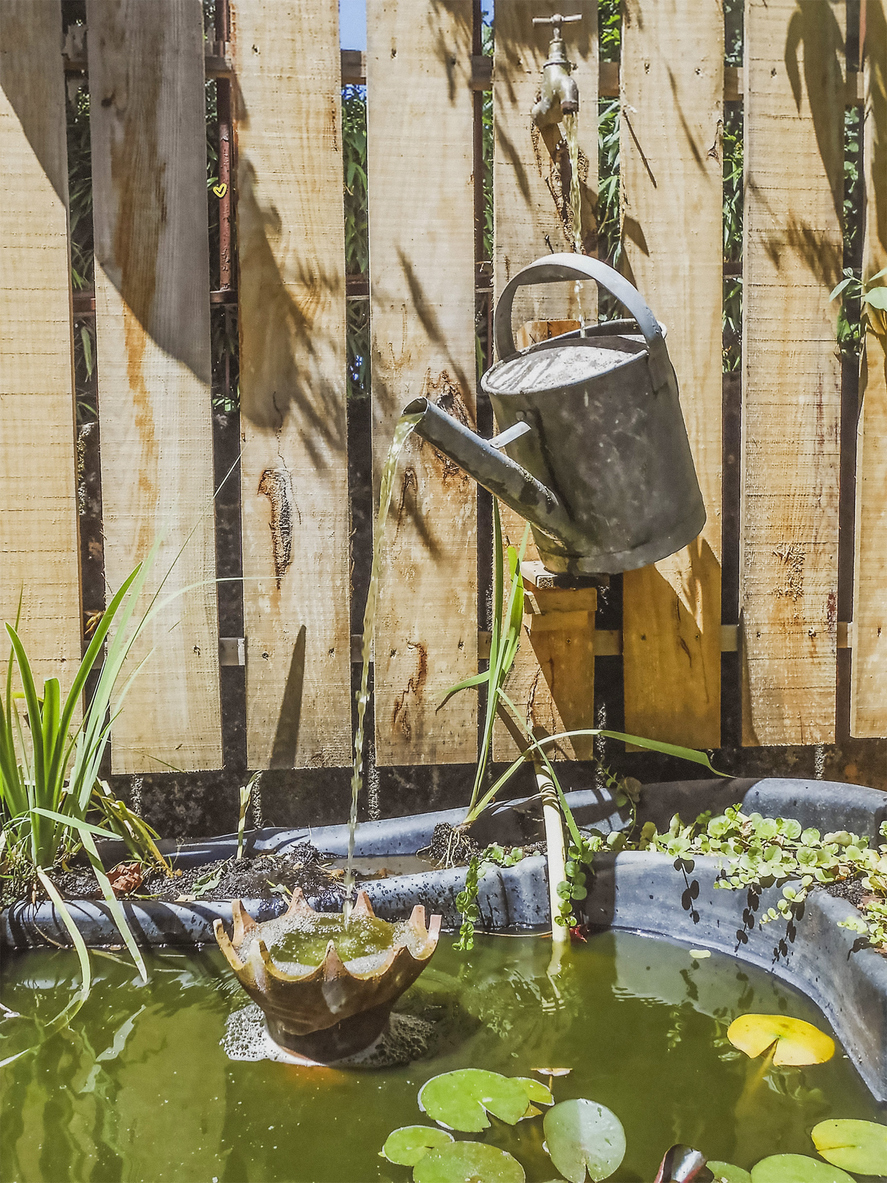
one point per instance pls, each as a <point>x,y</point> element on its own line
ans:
<point>401,432</point>
<point>571,135</point>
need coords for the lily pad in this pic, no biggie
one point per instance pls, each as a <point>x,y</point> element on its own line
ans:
<point>412,1142</point>
<point>725,1172</point>
<point>462,1099</point>
<point>467,1162</point>
<point>859,1146</point>
<point>796,1042</point>
<point>536,1090</point>
<point>582,1135</point>
<point>796,1168</point>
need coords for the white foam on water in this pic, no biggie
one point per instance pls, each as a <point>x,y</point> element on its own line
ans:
<point>246,1038</point>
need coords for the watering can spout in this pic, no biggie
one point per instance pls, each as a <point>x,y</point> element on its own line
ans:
<point>491,468</point>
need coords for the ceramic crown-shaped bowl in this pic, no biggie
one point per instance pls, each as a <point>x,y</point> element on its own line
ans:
<point>333,1010</point>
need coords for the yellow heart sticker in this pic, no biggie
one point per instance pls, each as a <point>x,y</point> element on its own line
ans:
<point>220,190</point>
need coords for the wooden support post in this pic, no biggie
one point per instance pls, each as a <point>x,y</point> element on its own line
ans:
<point>672,83</point>
<point>794,186</point>
<point>869,678</point>
<point>294,468</point>
<point>148,128</point>
<point>38,497</point>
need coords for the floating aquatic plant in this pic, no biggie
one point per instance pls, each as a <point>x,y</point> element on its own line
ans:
<point>859,1146</point>
<point>792,1041</point>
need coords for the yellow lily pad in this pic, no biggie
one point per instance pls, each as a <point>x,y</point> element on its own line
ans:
<point>797,1042</point>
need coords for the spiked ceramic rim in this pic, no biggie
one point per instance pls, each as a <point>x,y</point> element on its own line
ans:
<point>244,933</point>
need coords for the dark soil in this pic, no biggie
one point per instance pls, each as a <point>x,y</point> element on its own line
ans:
<point>223,879</point>
<point>848,889</point>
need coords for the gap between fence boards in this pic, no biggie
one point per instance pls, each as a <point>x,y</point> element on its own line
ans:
<point>607,643</point>
<point>219,64</point>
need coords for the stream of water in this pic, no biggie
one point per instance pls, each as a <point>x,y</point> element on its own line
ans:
<point>571,135</point>
<point>401,433</point>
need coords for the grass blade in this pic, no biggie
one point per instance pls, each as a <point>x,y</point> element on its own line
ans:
<point>111,899</point>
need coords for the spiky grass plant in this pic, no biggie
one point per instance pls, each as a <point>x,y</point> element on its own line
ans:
<point>49,767</point>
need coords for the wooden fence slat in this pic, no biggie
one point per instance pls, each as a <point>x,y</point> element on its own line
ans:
<point>38,503</point>
<point>794,117</point>
<point>672,192</point>
<point>868,696</point>
<point>532,217</point>
<point>421,218</point>
<point>152,329</point>
<point>294,466</point>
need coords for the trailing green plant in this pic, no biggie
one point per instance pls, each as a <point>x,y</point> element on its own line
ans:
<point>466,900</point>
<point>763,851</point>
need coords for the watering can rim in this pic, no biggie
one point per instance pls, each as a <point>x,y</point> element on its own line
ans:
<point>547,345</point>
<point>556,268</point>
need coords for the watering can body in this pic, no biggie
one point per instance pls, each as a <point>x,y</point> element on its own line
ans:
<point>592,449</point>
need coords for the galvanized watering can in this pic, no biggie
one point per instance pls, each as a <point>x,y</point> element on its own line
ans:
<point>598,459</point>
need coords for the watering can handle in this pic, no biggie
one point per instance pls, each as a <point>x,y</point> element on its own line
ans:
<point>557,268</point>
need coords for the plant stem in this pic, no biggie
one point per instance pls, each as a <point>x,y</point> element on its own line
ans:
<point>556,855</point>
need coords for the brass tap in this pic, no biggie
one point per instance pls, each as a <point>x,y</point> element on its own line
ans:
<point>560,94</point>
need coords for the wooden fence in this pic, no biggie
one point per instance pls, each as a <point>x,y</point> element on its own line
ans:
<point>424,72</point>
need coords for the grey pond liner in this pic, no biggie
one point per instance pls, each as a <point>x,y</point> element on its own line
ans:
<point>645,893</point>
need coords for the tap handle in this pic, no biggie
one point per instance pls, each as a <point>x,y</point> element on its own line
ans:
<point>559,267</point>
<point>556,19</point>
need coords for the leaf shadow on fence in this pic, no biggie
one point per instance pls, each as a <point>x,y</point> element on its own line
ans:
<point>284,371</point>
<point>814,26</point>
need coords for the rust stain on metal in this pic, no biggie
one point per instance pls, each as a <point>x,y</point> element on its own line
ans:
<point>400,715</point>
<point>277,486</point>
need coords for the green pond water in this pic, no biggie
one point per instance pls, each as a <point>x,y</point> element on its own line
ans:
<point>140,1087</point>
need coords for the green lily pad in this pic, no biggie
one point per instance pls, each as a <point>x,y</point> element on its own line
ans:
<point>412,1142</point>
<point>859,1146</point>
<point>536,1090</point>
<point>467,1162</point>
<point>725,1172</point>
<point>796,1168</point>
<point>582,1135</point>
<point>796,1042</point>
<point>460,1100</point>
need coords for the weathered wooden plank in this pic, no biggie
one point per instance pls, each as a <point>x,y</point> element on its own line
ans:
<point>152,328</point>
<point>532,217</point>
<point>421,218</point>
<point>672,195</point>
<point>868,696</point>
<point>292,364</point>
<point>38,503</point>
<point>792,377</point>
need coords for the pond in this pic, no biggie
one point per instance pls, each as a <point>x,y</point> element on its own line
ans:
<point>140,1087</point>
